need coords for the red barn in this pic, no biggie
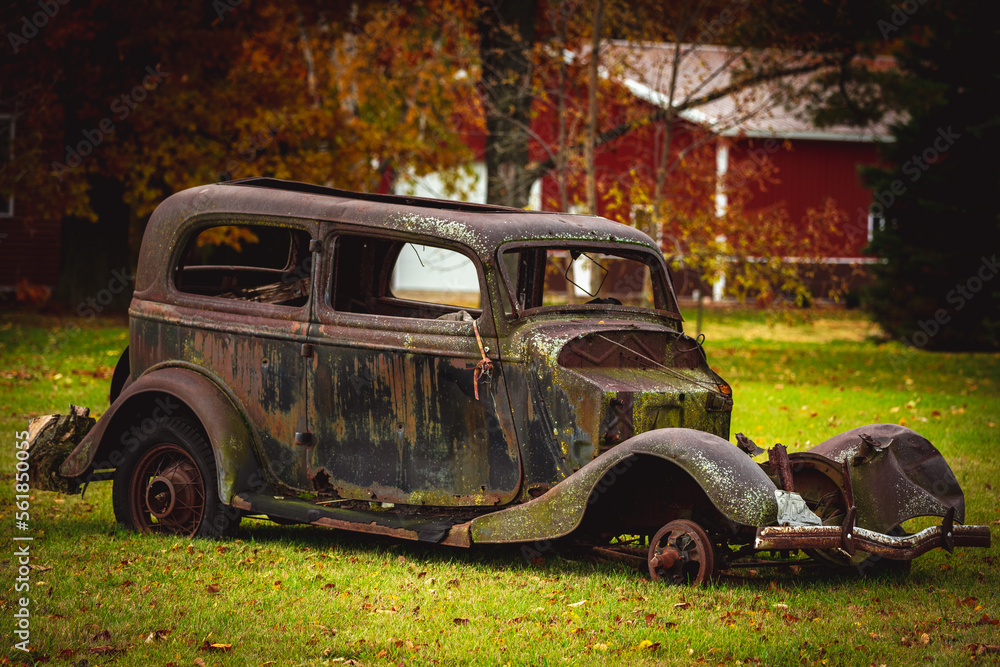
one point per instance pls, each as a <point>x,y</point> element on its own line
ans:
<point>716,151</point>
<point>29,247</point>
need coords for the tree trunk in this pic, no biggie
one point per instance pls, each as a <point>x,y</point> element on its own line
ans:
<point>561,156</point>
<point>595,61</point>
<point>596,275</point>
<point>506,38</point>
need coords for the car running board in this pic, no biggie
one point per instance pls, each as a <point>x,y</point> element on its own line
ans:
<point>439,530</point>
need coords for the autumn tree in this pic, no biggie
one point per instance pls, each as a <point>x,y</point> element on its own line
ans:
<point>119,104</point>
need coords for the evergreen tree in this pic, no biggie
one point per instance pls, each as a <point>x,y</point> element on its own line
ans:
<point>937,213</point>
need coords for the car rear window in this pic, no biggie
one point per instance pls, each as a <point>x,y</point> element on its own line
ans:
<point>258,263</point>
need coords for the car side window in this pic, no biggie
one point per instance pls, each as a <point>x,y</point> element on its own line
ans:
<point>435,275</point>
<point>387,277</point>
<point>257,263</point>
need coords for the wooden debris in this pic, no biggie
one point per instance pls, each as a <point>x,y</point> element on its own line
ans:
<point>50,440</point>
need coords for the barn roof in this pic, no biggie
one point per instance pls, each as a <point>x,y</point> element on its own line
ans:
<point>764,110</point>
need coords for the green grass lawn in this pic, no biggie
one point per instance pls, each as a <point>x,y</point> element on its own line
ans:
<point>309,596</point>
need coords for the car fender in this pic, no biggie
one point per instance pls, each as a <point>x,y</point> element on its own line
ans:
<point>230,437</point>
<point>737,487</point>
<point>906,478</point>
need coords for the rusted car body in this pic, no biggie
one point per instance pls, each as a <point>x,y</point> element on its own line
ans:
<point>281,365</point>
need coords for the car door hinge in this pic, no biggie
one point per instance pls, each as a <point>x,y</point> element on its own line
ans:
<point>307,350</point>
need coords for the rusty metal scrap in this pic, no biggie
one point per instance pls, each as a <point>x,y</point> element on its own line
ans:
<point>776,538</point>
<point>778,461</point>
<point>748,446</point>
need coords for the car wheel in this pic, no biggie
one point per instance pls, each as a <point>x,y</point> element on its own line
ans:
<point>681,553</point>
<point>169,485</point>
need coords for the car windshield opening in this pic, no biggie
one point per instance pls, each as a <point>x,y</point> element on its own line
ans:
<point>581,275</point>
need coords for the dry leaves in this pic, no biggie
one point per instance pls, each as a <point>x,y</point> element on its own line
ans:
<point>156,635</point>
<point>206,646</point>
<point>923,640</point>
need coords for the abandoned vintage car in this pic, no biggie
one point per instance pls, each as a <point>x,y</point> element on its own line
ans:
<point>464,374</point>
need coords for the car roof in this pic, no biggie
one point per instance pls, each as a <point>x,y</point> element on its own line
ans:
<point>479,226</point>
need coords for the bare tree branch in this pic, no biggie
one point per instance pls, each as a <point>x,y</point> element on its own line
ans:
<point>742,83</point>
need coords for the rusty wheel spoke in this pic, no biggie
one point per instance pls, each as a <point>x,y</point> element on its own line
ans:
<point>681,553</point>
<point>167,491</point>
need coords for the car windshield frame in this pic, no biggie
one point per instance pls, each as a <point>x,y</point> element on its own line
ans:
<point>658,272</point>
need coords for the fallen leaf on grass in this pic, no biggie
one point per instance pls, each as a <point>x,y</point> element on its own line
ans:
<point>198,662</point>
<point>645,644</point>
<point>791,618</point>
<point>986,620</point>
<point>214,589</point>
<point>215,647</point>
<point>106,650</point>
<point>649,619</point>
<point>460,621</point>
<point>924,640</point>
<point>682,605</point>
<point>157,635</point>
<point>66,654</point>
<point>982,649</point>
<point>576,604</point>
<point>967,602</point>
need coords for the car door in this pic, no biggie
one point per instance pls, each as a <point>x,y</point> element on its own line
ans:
<point>401,413</point>
<point>240,307</point>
